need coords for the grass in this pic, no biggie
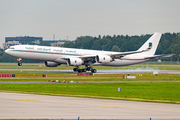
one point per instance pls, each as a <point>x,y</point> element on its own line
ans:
<point>33,76</point>
<point>154,92</point>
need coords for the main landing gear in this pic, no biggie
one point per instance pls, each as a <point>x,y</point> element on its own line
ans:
<point>84,70</point>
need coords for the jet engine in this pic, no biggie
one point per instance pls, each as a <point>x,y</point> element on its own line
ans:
<point>75,61</point>
<point>103,59</point>
<point>51,64</point>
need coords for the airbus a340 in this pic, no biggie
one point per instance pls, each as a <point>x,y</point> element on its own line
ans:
<point>54,56</point>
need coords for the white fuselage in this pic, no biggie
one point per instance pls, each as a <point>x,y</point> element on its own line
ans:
<point>57,54</point>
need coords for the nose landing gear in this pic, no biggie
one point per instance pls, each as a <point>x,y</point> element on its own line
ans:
<point>19,64</point>
<point>19,61</point>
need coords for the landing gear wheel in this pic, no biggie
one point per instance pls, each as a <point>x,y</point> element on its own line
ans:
<point>89,69</point>
<point>83,70</point>
<point>75,69</point>
<point>79,70</point>
<point>19,64</point>
<point>93,70</point>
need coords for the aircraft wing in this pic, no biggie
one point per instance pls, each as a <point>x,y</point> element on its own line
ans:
<point>88,57</point>
<point>117,55</point>
<point>159,56</point>
<point>84,57</point>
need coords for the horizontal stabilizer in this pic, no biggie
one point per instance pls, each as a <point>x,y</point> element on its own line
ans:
<point>159,56</point>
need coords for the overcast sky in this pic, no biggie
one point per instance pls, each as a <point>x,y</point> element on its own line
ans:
<point>74,18</point>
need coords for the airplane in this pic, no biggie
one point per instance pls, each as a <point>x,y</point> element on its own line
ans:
<point>55,56</point>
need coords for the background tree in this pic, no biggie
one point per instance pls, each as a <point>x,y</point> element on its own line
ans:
<point>44,43</point>
<point>31,43</point>
<point>115,48</point>
<point>176,51</point>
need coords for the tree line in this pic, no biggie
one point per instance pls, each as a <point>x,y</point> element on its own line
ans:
<point>169,43</point>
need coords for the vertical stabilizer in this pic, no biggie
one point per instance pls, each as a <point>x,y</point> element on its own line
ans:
<point>152,42</point>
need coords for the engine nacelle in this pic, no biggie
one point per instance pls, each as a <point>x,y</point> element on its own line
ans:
<point>75,61</point>
<point>51,64</point>
<point>103,59</point>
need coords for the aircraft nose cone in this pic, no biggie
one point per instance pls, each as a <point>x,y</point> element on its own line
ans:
<point>6,51</point>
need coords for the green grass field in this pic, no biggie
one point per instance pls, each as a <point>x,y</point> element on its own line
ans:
<point>155,92</point>
<point>29,76</point>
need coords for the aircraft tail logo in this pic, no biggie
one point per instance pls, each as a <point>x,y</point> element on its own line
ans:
<point>150,44</point>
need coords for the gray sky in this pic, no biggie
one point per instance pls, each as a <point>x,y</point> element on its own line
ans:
<point>74,18</point>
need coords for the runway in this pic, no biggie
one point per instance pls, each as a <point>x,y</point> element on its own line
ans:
<point>139,71</point>
<point>103,71</point>
<point>29,106</point>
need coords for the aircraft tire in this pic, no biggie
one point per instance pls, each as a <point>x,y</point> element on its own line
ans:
<point>79,70</point>
<point>83,70</point>
<point>19,64</point>
<point>75,69</point>
<point>93,70</point>
<point>89,69</point>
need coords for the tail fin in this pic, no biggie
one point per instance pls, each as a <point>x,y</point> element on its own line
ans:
<point>152,42</point>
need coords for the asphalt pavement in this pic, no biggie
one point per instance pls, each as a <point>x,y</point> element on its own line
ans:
<point>30,106</point>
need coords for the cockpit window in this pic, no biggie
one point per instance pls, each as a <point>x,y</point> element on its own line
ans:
<point>11,47</point>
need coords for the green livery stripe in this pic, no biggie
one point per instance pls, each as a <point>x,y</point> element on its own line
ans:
<point>47,52</point>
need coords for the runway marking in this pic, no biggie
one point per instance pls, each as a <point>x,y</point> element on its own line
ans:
<point>26,100</point>
<point>113,107</point>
